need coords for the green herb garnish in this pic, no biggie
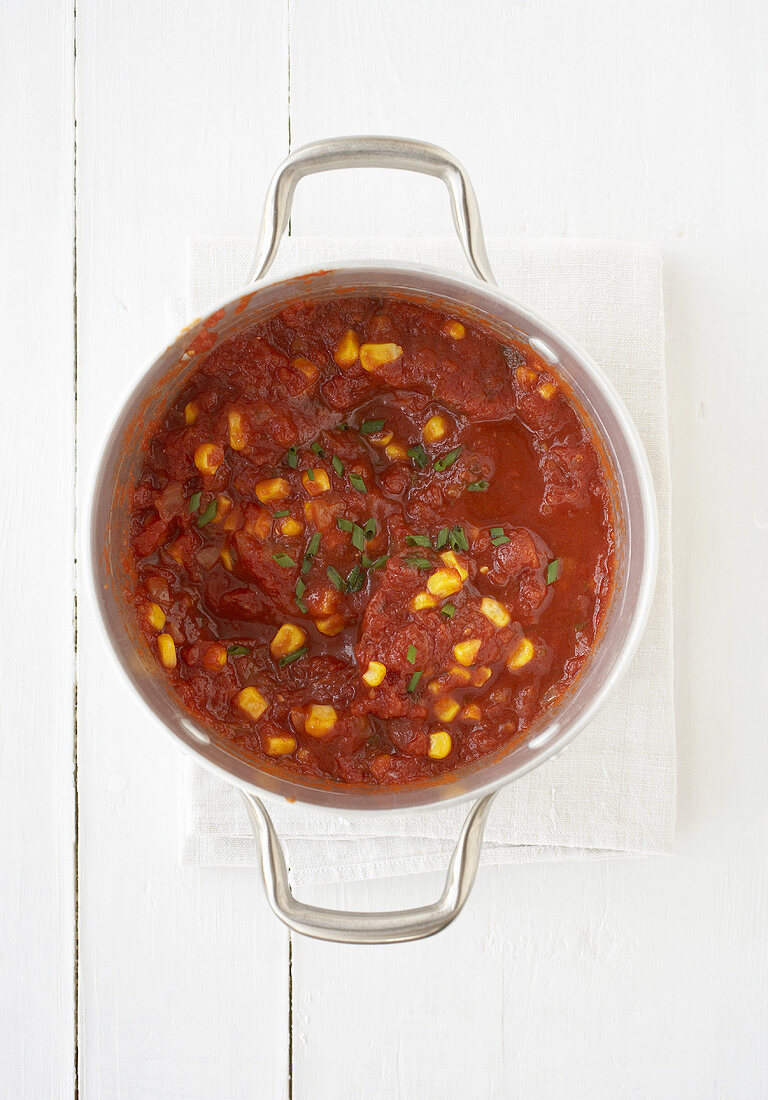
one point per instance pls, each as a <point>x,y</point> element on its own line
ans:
<point>371,529</point>
<point>477,486</point>
<point>337,465</point>
<point>336,579</point>
<point>443,463</point>
<point>418,456</point>
<point>238,651</point>
<point>419,563</point>
<point>345,524</point>
<point>380,562</point>
<point>499,540</point>
<point>448,609</point>
<point>301,588</point>
<point>291,657</point>
<point>370,427</point>
<point>207,515</point>
<point>358,537</point>
<point>356,579</point>
<point>358,483</point>
<point>284,560</point>
<point>310,473</point>
<point>291,457</point>
<point>194,501</point>
<point>413,683</point>
<point>418,540</point>
<point>442,538</point>
<point>281,513</point>
<point>317,449</point>
<point>553,571</point>
<point>457,538</point>
<point>411,655</point>
<point>314,545</point>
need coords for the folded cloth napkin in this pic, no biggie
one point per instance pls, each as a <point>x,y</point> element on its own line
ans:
<point>612,792</point>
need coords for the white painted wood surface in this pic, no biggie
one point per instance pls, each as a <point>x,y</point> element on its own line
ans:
<point>632,978</point>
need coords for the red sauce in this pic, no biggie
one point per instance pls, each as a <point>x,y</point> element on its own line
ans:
<point>372,564</point>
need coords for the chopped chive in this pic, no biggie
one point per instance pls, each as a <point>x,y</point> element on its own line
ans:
<point>499,540</point>
<point>419,563</point>
<point>301,605</point>
<point>380,562</point>
<point>477,486</point>
<point>365,561</point>
<point>207,515</point>
<point>336,578</point>
<point>284,560</point>
<point>411,655</point>
<point>448,609</point>
<point>314,545</point>
<point>369,427</point>
<point>292,457</point>
<point>306,565</point>
<point>310,473</point>
<point>442,538</point>
<point>358,537</point>
<point>345,524</point>
<point>238,651</point>
<point>443,463</point>
<point>418,540</point>
<point>317,449</point>
<point>281,513</point>
<point>342,427</point>
<point>291,657</point>
<point>337,465</point>
<point>418,456</point>
<point>496,531</point>
<point>356,579</point>
<point>458,539</point>
<point>413,683</point>
<point>358,483</point>
<point>371,529</point>
<point>301,587</point>
<point>553,571</point>
<point>194,501</point>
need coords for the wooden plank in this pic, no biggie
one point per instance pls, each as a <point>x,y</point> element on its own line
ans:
<point>182,114</point>
<point>645,978</point>
<point>37,904</point>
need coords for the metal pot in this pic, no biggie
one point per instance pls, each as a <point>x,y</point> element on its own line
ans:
<point>477,299</point>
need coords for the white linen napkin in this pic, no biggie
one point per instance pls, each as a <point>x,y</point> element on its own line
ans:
<point>612,792</point>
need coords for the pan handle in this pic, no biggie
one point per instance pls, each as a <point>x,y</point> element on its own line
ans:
<point>396,926</point>
<point>372,152</point>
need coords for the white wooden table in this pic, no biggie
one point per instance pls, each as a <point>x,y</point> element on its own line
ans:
<point>128,975</point>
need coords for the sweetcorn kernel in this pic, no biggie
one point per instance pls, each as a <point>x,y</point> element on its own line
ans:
<point>156,616</point>
<point>252,702</point>
<point>481,675</point>
<point>288,639</point>
<point>382,438</point>
<point>446,708</point>
<point>279,746</point>
<point>466,652</point>
<point>375,673</point>
<point>330,626</point>
<point>226,559</point>
<point>307,368</point>
<point>274,488</point>
<point>190,413</point>
<point>521,655</point>
<point>347,351</point>
<point>456,563</point>
<point>460,675</point>
<point>494,611</point>
<point>396,452</point>
<point>547,390</point>
<point>439,744</point>
<point>444,582</point>
<point>291,527</point>
<point>208,457</point>
<point>471,713</point>
<point>378,355</point>
<point>317,483</point>
<point>237,431</point>
<point>423,600</point>
<point>434,429</point>
<point>320,720</point>
<point>455,330</point>
<point>166,647</point>
<point>223,506</point>
<point>526,377</point>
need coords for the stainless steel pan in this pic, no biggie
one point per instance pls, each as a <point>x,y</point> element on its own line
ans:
<point>476,298</point>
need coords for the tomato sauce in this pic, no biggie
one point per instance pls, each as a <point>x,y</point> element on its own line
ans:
<point>371,542</point>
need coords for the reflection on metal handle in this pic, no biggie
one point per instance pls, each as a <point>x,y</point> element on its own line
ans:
<point>388,927</point>
<point>372,152</point>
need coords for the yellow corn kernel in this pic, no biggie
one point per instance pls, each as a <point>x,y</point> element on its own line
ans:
<point>237,436</point>
<point>330,626</point>
<point>396,452</point>
<point>526,376</point>
<point>190,413</point>
<point>279,746</point>
<point>223,506</point>
<point>318,483</point>
<point>434,429</point>
<point>375,673</point>
<point>156,616</point>
<point>444,582</point>
<point>460,675</point>
<point>166,647</point>
<point>226,559</point>
<point>381,439</point>
<point>172,549</point>
<point>439,744</point>
<point>494,611</point>
<point>252,702</point>
<point>274,488</point>
<point>307,368</point>
<point>291,527</point>
<point>208,457</point>
<point>320,720</point>
<point>347,351</point>
<point>453,562</point>
<point>455,330</point>
<point>522,655</point>
<point>446,708</point>
<point>472,712</point>
<point>547,390</point>
<point>435,687</point>
<point>378,355</point>
<point>423,600</point>
<point>481,675</point>
<point>288,639</point>
<point>466,652</point>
